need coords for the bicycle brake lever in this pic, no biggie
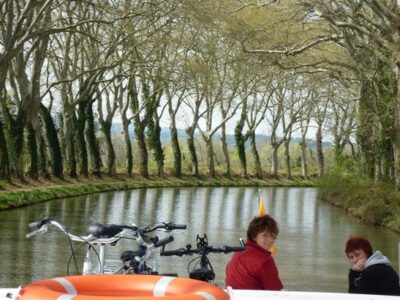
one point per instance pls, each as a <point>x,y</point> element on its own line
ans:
<point>42,229</point>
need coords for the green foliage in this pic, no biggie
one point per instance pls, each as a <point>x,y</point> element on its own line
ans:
<point>373,203</point>
<point>2,185</point>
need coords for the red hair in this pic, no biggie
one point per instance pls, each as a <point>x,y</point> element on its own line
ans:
<point>357,243</point>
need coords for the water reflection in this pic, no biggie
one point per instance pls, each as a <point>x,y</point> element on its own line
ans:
<point>310,244</point>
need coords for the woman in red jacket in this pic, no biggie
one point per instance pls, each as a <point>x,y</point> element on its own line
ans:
<point>254,268</point>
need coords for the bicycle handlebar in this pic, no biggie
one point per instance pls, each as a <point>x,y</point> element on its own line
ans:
<point>36,225</point>
<point>108,234</point>
<point>163,242</point>
<point>203,251</point>
<point>167,226</point>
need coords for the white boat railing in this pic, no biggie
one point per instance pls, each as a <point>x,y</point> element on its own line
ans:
<point>295,295</point>
<point>12,293</point>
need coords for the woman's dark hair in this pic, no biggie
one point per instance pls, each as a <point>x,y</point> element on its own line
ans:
<point>261,224</point>
<point>357,243</point>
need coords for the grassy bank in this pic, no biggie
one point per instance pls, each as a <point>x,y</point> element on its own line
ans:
<point>15,195</point>
<point>377,204</point>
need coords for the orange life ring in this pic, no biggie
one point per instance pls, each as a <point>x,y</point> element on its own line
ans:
<point>119,287</point>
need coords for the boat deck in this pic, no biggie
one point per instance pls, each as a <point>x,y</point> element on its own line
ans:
<point>11,293</point>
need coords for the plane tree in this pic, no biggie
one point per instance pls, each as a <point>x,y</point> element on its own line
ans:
<point>369,32</point>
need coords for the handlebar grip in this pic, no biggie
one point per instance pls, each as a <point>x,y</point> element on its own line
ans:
<point>177,226</point>
<point>228,249</point>
<point>178,252</point>
<point>164,241</point>
<point>36,225</point>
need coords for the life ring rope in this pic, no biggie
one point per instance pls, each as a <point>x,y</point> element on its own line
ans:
<point>206,296</point>
<point>68,286</point>
<point>161,286</point>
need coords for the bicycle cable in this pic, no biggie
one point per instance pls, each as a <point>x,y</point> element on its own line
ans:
<point>72,253</point>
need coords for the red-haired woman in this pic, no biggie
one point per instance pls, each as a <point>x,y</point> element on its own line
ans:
<point>371,273</point>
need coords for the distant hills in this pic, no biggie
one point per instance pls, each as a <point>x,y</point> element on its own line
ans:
<point>165,136</point>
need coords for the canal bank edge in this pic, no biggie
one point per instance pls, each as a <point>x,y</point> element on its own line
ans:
<point>373,203</point>
<point>27,194</point>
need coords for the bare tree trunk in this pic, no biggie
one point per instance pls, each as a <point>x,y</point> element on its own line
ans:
<point>4,163</point>
<point>395,134</point>
<point>320,153</point>
<point>224,145</point>
<point>33,169</point>
<point>192,151</point>
<point>128,148</point>
<point>287,159</point>
<point>92,140</point>
<point>366,122</point>
<point>154,138</point>
<point>304,164</point>
<point>16,143</point>
<point>274,160</point>
<point>69,140</point>
<point>83,163</point>
<point>256,157</point>
<point>141,142</point>
<point>176,150</point>
<point>240,145</point>
<point>106,129</point>
<point>53,142</point>
<point>42,155</point>
<point>396,152</point>
<point>210,157</point>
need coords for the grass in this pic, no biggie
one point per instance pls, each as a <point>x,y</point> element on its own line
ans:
<point>373,203</point>
<point>26,194</point>
<point>2,185</point>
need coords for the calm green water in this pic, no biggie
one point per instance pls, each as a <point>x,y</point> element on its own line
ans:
<point>310,245</point>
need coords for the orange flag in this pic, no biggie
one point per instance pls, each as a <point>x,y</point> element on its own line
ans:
<point>261,207</point>
<point>262,212</point>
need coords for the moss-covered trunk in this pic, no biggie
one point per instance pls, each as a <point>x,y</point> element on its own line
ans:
<point>4,162</point>
<point>90,135</point>
<point>240,145</point>
<point>154,138</point>
<point>128,148</point>
<point>56,161</point>
<point>210,157</point>
<point>256,157</point>
<point>69,140</point>
<point>141,142</point>
<point>176,150</point>
<point>320,152</point>
<point>83,164</point>
<point>16,145</point>
<point>33,168</point>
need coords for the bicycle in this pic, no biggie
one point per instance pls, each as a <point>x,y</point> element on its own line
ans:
<point>205,272</point>
<point>99,236</point>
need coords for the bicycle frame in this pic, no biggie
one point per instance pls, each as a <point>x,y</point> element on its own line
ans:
<point>102,236</point>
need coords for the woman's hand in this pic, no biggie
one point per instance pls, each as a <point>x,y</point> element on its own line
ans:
<point>359,265</point>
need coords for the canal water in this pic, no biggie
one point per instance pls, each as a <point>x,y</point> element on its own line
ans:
<point>310,246</point>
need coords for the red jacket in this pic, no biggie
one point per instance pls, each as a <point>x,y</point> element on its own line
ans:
<point>253,269</point>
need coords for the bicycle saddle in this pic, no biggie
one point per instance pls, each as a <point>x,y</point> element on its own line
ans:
<point>100,230</point>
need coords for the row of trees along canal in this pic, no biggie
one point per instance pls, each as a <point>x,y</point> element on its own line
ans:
<point>68,69</point>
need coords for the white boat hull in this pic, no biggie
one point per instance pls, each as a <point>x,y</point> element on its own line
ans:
<point>9,293</point>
